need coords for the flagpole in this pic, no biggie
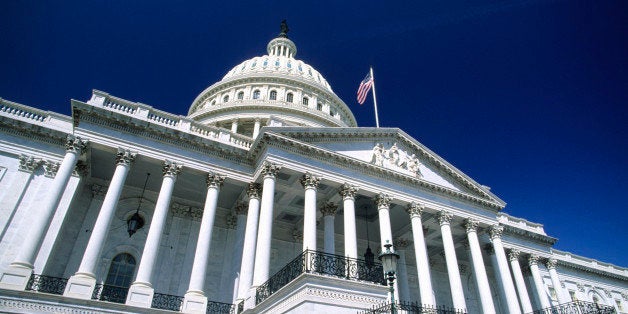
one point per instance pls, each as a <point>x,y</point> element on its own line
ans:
<point>374,99</point>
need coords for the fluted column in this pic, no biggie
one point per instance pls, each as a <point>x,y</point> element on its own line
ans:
<point>522,291</point>
<point>551,267</point>
<point>347,192</point>
<point>16,276</point>
<point>533,261</point>
<point>195,300</point>
<point>264,235</point>
<point>82,283</point>
<point>141,292</point>
<point>504,272</point>
<point>253,191</point>
<point>383,208</point>
<point>422,261</point>
<point>400,245</point>
<point>310,184</point>
<point>453,272</point>
<point>329,212</point>
<point>234,126</point>
<point>486,299</point>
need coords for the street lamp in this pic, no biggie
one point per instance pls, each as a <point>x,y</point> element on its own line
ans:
<point>389,263</point>
<point>136,221</point>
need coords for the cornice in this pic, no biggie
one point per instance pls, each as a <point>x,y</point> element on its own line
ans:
<point>585,264</point>
<point>272,138</point>
<point>529,235</point>
<point>32,131</point>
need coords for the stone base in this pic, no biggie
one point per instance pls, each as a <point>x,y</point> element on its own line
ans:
<point>194,302</point>
<point>80,286</point>
<point>15,277</point>
<point>140,295</point>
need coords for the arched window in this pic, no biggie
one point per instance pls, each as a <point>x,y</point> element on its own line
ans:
<point>305,101</point>
<point>289,97</point>
<point>225,99</point>
<point>213,102</point>
<point>240,95</point>
<point>273,95</point>
<point>256,94</point>
<point>121,271</point>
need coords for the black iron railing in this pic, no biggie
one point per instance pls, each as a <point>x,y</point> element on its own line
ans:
<point>324,264</point>
<point>168,302</point>
<point>110,293</point>
<point>412,308</point>
<point>577,307</point>
<point>46,284</point>
<point>219,307</point>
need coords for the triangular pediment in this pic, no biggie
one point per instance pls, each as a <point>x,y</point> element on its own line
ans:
<point>391,149</point>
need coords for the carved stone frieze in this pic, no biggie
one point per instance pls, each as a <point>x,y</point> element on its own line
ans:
<point>231,221</point>
<point>383,200</point>
<point>270,169</point>
<point>394,158</point>
<point>29,163</point>
<point>400,243</point>
<point>580,287</point>
<point>124,157</point>
<point>98,190</point>
<point>415,209</point>
<point>81,169</point>
<point>185,211</point>
<point>254,190</point>
<point>241,208</point>
<point>214,180</point>
<point>75,144</point>
<point>348,191</point>
<point>471,225</point>
<point>496,231</point>
<point>51,168</point>
<point>329,209</point>
<point>309,181</point>
<point>444,217</point>
<point>171,168</point>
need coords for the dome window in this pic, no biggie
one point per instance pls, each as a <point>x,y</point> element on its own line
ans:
<point>289,65</point>
<point>277,62</point>
<point>256,94</point>
<point>305,101</point>
<point>319,106</point>
<point>213,102</point>
<point>240,95</point>
<point>309,71</point>
<point>254,64</point>
<point>273,95</point>
<point>289,97</point>
<point>300,68</point>
<point>265,62</point>
<point>225,99</point>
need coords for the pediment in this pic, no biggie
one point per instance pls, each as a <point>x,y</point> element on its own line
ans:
<point>391,149</point>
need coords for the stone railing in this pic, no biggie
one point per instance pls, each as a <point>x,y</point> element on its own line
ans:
<point>47,119</point>
<point>577,307</point>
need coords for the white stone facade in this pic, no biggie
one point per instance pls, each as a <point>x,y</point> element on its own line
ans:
<point>251,179</point>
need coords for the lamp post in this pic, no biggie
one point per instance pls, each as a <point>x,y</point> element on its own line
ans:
<point>136,221</point>
<point>389,263</point>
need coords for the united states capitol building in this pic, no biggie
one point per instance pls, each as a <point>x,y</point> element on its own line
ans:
<point>266,198</point>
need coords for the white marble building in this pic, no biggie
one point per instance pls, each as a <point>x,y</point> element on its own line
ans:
<point>263,199</point>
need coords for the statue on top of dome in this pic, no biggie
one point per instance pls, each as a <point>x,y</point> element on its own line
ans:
<point>284,29</point>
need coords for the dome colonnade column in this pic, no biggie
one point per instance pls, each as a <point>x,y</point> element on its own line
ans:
<point>17,274</point>
<point>82,284</point>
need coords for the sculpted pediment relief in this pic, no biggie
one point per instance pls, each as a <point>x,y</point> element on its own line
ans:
<point>396,159</point>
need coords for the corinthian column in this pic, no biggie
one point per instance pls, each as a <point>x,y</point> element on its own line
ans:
<point>141,292</point>
<point>329,212</point>
<point>83,282</point>
<point>310,184</point>
<point>533,261</point>
<point>486,299</point>
<point>347,191</point>
<point>422,262</point>
<point>504,272</point>
<point>524,298</point>
<point>383,207</point>
<point>453,272</point>
<point>265,229</point>
<point>254,191</point>
<point>551,267</point>
<point>195,300</point>
<point>16,276</point>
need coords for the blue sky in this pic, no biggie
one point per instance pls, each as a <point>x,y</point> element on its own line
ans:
<point>527,97</point>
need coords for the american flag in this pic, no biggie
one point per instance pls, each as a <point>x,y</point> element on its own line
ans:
<point>365,87</point>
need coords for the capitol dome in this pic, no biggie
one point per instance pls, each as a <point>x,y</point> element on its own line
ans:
<point>274,89</point>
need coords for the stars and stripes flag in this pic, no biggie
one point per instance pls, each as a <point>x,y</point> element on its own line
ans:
<point>365,87</point>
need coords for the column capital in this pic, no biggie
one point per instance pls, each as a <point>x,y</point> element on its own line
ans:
<point>309,181</point>
<point>400,243</point>
<point>471,225</point>
<point>51,168</point>
<point>270,169</point>
<point>551,263</point>
<point>444,217</point>
<point>81,169</point>
<point>383,200</point>
<point>496,231</point>
<point>329,209</point>
<point>214,180</point>
<point>125,157</point>
<point>171,168</point>
<point>254,190</point>
<point>98,191</point>
<point>29,163</point>
<point>513,255</point>
<point>415,209</point>
<point>241,208</point>
<point>533,259</point>
<point>347,191</point>
<point>74,144</point>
